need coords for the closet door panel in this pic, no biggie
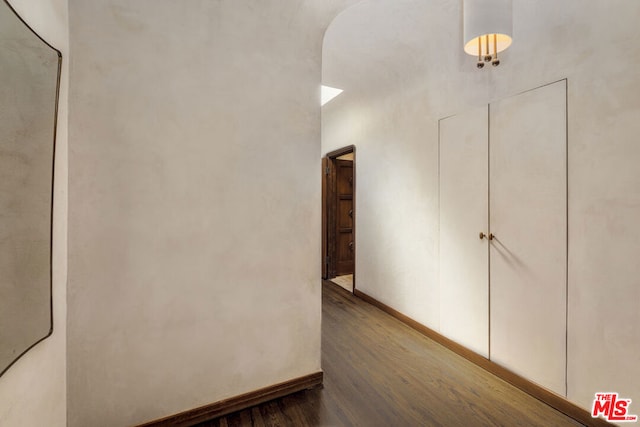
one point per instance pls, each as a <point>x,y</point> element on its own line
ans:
<point>528,216</point>
<point>464,293</point>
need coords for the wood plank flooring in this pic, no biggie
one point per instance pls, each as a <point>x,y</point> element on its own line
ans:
<point>380,372</point>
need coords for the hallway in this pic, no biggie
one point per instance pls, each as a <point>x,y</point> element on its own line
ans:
<point>380,372</point>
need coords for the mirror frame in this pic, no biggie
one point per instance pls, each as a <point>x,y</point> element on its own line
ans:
<point>53,169</point>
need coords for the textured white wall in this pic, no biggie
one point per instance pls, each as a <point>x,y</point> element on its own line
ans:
<point>194,202</point>
<point>33,391</point>
<point>396,199</point>
<point>402,68</point>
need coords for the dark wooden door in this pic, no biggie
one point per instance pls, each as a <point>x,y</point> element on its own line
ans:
<point>344,217</point>
<point>326,221</point>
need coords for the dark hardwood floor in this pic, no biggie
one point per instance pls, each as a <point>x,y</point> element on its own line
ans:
<point>380,372</point>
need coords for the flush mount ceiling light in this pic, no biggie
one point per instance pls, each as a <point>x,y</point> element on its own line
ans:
<point>488,27</point>
<point>327,93</point>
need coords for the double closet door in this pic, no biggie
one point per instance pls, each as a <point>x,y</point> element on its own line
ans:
<point>503,233</point>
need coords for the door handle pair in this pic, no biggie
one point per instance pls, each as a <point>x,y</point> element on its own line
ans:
<point>490,236</point>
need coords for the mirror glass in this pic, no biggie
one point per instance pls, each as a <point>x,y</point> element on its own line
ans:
<point>29,76</point>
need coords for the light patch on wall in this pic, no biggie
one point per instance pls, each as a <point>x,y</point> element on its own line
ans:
<point>327,93</point>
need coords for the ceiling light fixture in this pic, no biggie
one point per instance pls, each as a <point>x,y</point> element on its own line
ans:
<point>488,27</point>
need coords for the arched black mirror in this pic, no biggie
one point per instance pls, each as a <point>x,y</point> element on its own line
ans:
<point>29,82</point>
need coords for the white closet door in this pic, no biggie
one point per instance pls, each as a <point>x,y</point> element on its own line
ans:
<point>528,216</point>
<point>464,293</point>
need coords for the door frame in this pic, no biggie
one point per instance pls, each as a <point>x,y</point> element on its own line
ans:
<point>329,207</point>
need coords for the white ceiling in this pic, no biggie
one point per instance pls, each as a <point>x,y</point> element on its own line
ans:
<point>391,45</point>
<point>377,42</point>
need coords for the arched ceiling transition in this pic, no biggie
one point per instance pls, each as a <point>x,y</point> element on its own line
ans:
<point>377,43</point>
<point>388,46</point>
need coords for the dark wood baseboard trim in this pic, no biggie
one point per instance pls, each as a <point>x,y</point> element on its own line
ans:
<point>238,403</point>
<point>550,398</point>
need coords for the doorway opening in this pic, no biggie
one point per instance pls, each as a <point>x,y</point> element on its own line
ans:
<point>338,217</point>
